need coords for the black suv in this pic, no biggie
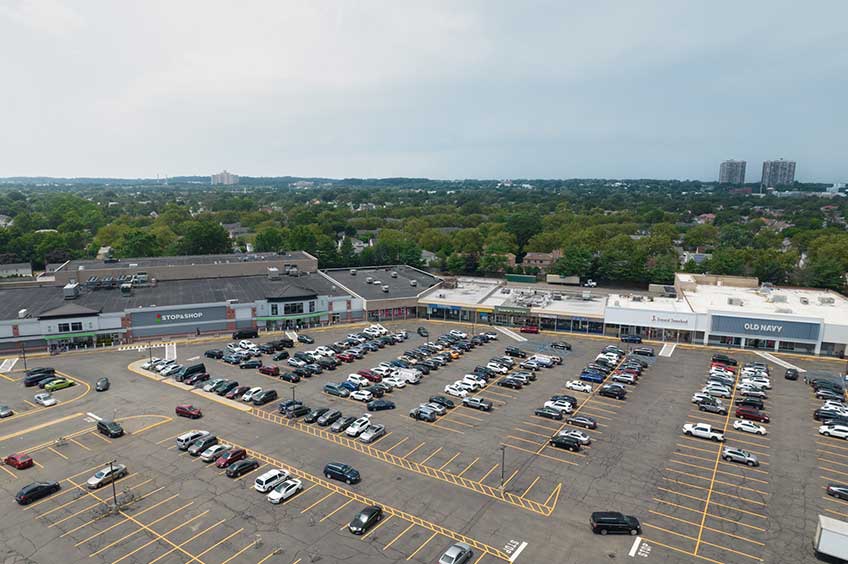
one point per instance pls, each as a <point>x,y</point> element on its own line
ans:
<point>245,334</point>
<point>612,392</point>
<point>791,374</point>
<point>515,351</point>
<point>214,353</point>
<point>724,359</point>
<point>341,472</point>
<point>110,428</point>
<point>603,522</point>
<point>566,442</point>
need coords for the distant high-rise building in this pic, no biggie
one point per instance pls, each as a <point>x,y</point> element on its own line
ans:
<point>732,172</point>
<point>778,173</point>
<point>225,178</point>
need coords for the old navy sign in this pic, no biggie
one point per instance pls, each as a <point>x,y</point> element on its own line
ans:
<point>766,328</point>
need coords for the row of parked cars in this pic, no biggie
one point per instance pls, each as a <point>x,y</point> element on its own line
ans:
<point>38,490</point>
<point>833,413</point>
<point>725,374</point>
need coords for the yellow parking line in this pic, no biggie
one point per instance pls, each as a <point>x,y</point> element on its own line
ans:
<point>456,422</point>
<point>467,467</point>
<point>831,444</point>
<point>836,512</point>
<point>584,411</point>
<point>87,523</point>
<point>434,453</point>
<point>417,550</point>
<point>511,476</point>
<point>155,539</point>
<point>530,432</point>
<point>832,471</point>
<point>540,453</point>
<point>745,499</point>
<point>381,438</point>
<point>35,427</point>
<point>410,453</point>
<point>317,502</point>
<point>719,471</point>
<point>610,411</point>
<point>486,475</point>
<point>735,440</point>
<point>179,546</point>
<point>383,522</point>
<point>299,495</point>
<point>669,531</point>
<point>135,532</point>
<point>169,438</point>
<point>237,554</point>
<point>537,443</point>
<point>831,453</point>
<point>403,440</point>
<point>487,391</point>
<point>680,550</point>
<point>740,553</point>
<point>72,515</point>
<point>403,532</point>
<point>9,472</point>
<point>442,467</point>
<point>29,403</point>
<point>697,448</point>
<point>463,414</point>
<point>336,510</point>
<point>479,558</point>
<point>719,531</point>
<point>530,487</point>
<point>760,515</point>
<point>831,461</point>
<point>711,515</point>
<point>34,461</point>
<point>551,429</point>
<point>761,492</point>
<point>208,550</point>
<point>101,437</point>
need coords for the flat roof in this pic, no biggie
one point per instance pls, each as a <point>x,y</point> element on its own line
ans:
<point>645,303</point>
<point>37,300</point>
<point>831,307</point>
<point>92,264</point>
<point>399,287</point>
<point>540,299</point>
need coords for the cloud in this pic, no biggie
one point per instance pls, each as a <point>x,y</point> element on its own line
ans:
<point>442,89</point>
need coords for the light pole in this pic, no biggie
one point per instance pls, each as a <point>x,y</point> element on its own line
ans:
<point>114,493</point>
<point>23,354</point>
<point>292,389</point>
<point>503,461</point>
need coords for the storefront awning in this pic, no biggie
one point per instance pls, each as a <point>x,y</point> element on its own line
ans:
<point>295,316</point>
<point>68,336</point>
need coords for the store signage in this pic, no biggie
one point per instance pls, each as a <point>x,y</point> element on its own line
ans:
<point>766,328</point>
<point>160,317</point>
<point>671,320</point>
<point>513,310</point>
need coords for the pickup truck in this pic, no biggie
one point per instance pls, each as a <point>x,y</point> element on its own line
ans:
<point>703,431</point>
<point>477,403</point>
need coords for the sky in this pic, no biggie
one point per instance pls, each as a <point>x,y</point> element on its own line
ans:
<point>439,89</point>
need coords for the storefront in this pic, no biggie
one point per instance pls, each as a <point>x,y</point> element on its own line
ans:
<point>177,321</point>
<point>671,326</point>
<point>778,335</point>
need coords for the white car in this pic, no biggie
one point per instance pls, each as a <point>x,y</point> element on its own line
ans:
<point>383,370</point>
<point>579,386</point>
<point>358,426</point>
<point>717,391</point>
<point>211,384</point>
<point>468,387</point>
<point>248,395</point>
<point>361,395</point>
<point>491,335</point>
<point>749,427</point>
<point>838,431</point>
<point>148,365</point>
<point>499,368</point>
<point>581,436</point>
<point>757,381</point>
<point>455,391</point>
<point>624,378</point>
<point>471,381</point>
<point>325,351</point>
<point>395,382</point>
<point>698,397</point>
<point>246,344</point>
<point>284,491</point>
<point>45,399</point>
<point>458,333</point>
<point>358,379</point>
<point>270,480</point>
<point>608,357</point>
<point>163,365</point>
<point>172,369</point>
<point>233,347</point>
<point>296,362</point>
<point>559,405</point>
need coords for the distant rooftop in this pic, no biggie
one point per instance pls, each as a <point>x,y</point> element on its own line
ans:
<point>93,264</point>
<point>400,286</point>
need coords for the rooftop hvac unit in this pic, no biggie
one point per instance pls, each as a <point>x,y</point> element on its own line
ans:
<point>377,283</point>
<point>126,290</point>
<point>71,291</point>
<point>385,288</point>
<point>826,300</point>
<point>413,282</point>
<point>805,300</point>
<point>232,301</point>
<point>735,301</point>
<point>369,279</point>
<point>394,274</point>
<point>776,298</point>
<point>23,313</point>
<point>353,272</point>
<point>636,298</point>
<point>133,265</point>
<point>273,273</point>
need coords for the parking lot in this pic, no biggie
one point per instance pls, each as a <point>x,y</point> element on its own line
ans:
<point>487,478</point>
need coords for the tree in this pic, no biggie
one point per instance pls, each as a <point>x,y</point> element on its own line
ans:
<point>270,239</point>
<point>701,236</point>
<point>138,243</point>
<point>493,262</point>
<point>523,225</point>
<point>455,263</point>
<point>576,261</point>
<point>347,256</point>
<point>204,238</point>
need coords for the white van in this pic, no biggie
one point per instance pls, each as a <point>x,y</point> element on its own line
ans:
<point>409,375</point>
<point>545,361</point>
<point>184,441</point>
<point>270,480</point>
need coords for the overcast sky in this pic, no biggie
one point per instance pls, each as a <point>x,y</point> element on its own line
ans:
<point>456,89</point>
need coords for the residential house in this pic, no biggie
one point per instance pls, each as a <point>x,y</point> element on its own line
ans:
<point>15,269</point>
<point>705,218</point>
<point>235,230</point>
<point>542,261</point>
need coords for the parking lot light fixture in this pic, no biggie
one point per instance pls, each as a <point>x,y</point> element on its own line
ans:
<point>114,493</point>
<point>503,461</point>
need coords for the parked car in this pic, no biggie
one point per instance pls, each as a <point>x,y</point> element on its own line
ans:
<point>373,432</point>
<point>45,399</point>
<point>188,410</point>
<point>443,401</point>
<point>19,461</point>
<point>380,405</point>
<point>342,472</point>
<point>605,522</point>
<point>579,386</point>
<point>631,339</point>
<point>791,374</point>
<point>35,491</point>
<point>237,392</point>
<point>214,353</point>
<point>5,411</point>
<point>365,519</point>
<point>549,413</point>
<point>342,424</point>
<point>752,413</point>
<point>111,429</point>
<point>106,475</point>
<point>733,454</point>
<point>561,345</point>
<point>230,456</point>
<point>214,452</point>
<point>530,329</point>
<point>241,467</point>
<point>584,421</point>
<point>610,391</point>
<point>101,385</point>
<point>565,442</point>
<point>477,403</point>
<point>421,413</point>
<point>313,415</point>
<point>59,384</point>
<point>264,397</point>
<point>458,553</point>
<point>284,491</point>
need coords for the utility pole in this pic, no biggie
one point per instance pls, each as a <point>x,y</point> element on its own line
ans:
<point>292,389</point>
<point>114,493</point>
<point>23,354</point>
<point>503,461</point>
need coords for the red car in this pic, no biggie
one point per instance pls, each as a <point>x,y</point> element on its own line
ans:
<point>345,357</point>
<point>236,393</point>
<point>231,456</point>
<point>752,413</point>
<point>188,410</point>
<point>369,375</point>
<point>19,460</point>
<point>269,370</point>
<point>529,329</point>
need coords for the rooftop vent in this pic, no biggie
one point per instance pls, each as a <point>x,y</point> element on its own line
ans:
<point>377,283</point>
<point>369,279</point>
<point>23,313</point>
<point>273,273</point>
<point>413,282</point>
<point>735,301</point>
<point>353,272</point>
<point>71,291</point>
<point>826,300</point>
<point>385,288</point>
<point>394,274</point>
<point>636,298</point>
<point>805,300</point>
